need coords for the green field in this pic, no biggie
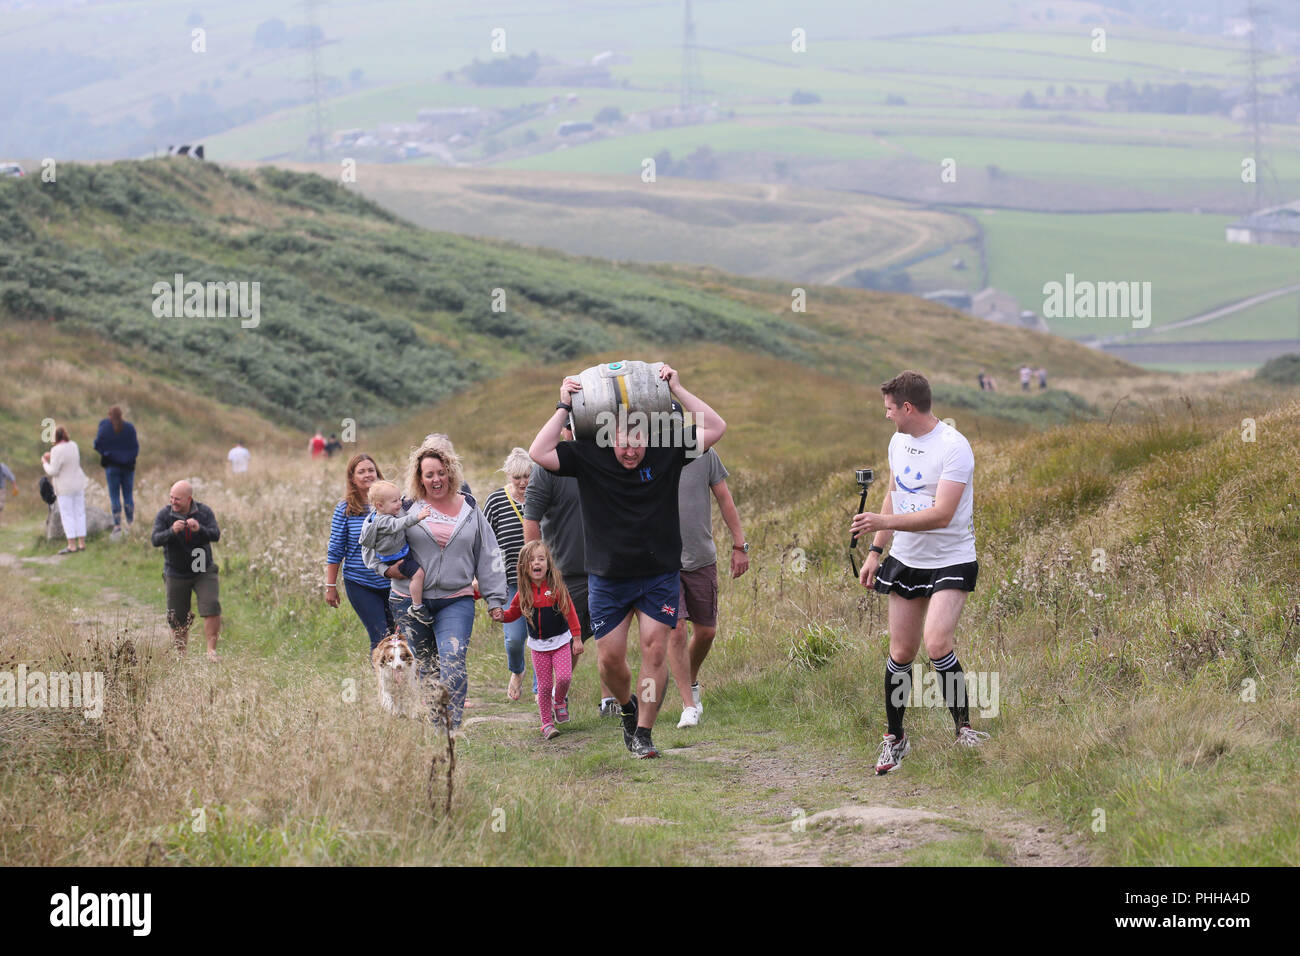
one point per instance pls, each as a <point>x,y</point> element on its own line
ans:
<point>1190,266</point>
<point>1275,319</point>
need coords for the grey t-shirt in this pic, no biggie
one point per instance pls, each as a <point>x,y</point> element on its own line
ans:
<point>553,500</point>
<point>695,505</point>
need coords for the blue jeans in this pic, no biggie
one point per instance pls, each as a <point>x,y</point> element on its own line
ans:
<point>121,482</point>
<point>440,651</point>
<point>371,605</point>
<point>516,632</point>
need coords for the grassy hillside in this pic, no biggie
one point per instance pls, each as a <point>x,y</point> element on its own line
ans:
<point>363,315</point>
<point>804,235</point>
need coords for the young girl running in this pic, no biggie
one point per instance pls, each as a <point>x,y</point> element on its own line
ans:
<point>543,601</point>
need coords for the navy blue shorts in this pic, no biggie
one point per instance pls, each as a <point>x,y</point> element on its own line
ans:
<point>611,599</point>
<point>408,566</point>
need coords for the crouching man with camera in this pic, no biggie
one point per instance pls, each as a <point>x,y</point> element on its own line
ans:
<point>931,567</point>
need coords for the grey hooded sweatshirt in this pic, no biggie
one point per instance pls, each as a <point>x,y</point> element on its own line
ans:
<point>472,552</point>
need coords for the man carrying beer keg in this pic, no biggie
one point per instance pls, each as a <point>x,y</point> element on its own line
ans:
<point>632,532</point>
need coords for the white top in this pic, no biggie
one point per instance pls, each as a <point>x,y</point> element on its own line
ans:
<point>64,469</point>
<point>238,459</point>
<point>918,465</point>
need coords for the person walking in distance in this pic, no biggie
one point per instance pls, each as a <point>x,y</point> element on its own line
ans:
<point>186,530</point>
<point>118,449</point>
<point>699,597</point>
<point>317,445</point>
<point>553,513</point>
<point>931,568</point>
<point>238,458</point>
<point>633,540</point>
<point>63,465</point>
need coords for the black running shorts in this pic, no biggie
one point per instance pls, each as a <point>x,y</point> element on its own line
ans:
<point>895,577</point>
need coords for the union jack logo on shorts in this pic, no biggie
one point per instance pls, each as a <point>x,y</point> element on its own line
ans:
<point>668,610</point>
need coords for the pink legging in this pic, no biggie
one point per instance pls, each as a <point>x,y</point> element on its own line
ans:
<point>552,667</point>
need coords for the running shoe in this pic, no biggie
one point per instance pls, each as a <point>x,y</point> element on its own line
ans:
<point>562,711</point>
<point>690,717</point>
<point>549,732</point>
<point>643,748</point>
<point>892,752</point>
<point>967,737</point>
<point>609,707</point>
<point>629,727</point>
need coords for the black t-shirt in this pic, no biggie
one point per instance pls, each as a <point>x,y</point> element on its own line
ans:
<point>630,517</point>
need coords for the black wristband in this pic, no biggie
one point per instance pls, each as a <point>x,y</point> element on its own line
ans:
<point>876,548</point>
<point>567,407</point>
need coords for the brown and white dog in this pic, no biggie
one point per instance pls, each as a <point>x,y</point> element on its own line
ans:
<point>396,674</point>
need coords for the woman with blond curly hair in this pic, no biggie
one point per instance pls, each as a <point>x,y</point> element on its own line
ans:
<point>454,545</point>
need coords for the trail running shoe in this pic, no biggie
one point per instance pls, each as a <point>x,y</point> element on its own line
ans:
<point>629,724</point>
<point>967,737</point>
<point>609,707</point>
<point>643,748</point>
<point>690,717</point>
<point>892,752</point>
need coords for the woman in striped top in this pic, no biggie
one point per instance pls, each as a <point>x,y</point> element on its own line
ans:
<point>367,591</point>
<point>504,512</point>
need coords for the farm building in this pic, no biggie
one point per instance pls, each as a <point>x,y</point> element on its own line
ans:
<point>1279,226</point>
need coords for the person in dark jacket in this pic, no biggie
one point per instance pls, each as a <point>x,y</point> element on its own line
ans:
<point>118,448</point>
<point>186,530</point>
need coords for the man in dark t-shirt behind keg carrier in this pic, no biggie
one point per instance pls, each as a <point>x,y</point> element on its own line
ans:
<point>632,532</point>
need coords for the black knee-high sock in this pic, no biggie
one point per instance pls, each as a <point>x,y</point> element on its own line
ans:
<point>898,688</point>
<point>954,687</point>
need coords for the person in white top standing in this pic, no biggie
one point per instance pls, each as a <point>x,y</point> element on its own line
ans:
<point>931,567</point>
<point>63,464</point>
<point>238,458</point>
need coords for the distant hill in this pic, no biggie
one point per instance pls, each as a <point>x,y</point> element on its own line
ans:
<point>365,316</point>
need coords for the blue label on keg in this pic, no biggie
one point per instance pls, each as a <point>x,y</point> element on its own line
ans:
<point>614,366</point>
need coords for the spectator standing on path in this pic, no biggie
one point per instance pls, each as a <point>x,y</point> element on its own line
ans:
<point>367,592</point>
<point>553,513</point>
<point>6,479</point>
<point>332,446</point>
<point>317,445</point>
<point>504,512</point>
<point>634,543</point>
<point>931,568</point>
<point>1042,377</point>
<point>186,530</point>
<point>1024,377</point>
<point>699,597</point>
<point>63,464</point>
<point>237,458</point>
<point>118,449</point>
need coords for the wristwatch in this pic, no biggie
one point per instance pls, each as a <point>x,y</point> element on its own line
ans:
<point>876,548</point>
<point>741,547</point>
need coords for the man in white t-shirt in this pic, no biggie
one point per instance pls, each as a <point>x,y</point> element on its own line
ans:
<point>931,567</point>
<point>238,458</point>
